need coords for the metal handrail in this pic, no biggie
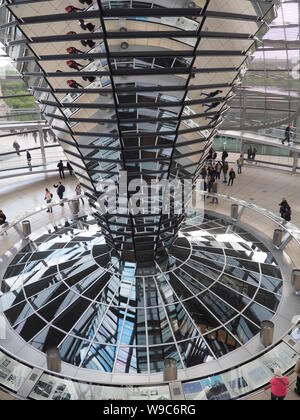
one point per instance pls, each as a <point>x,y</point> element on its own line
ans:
<point>9,225</point>
<point>288,227</point>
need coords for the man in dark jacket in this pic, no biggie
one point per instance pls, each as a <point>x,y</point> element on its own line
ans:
<point>224,156</point>
<point>60,166</point>
<point>285,210</point>
<point>232,176</point>
<point>60,191</point>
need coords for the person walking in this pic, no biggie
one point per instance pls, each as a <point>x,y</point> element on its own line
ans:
<point>70,169</point>
<point>240,163</point>
<point>212,94</point>
<point>214,190</point>
<point>74,85</point>
<point>287,135</point>
<point>213,105</point>
<point>60,189</point>
<point>78,192</point>
<point>297,371</point>
<point>279,385</point>
<point>232,177</point>
<point>74,65</point>
<point>48,198</point>
<point>225,171</point>
<point>17,147</point>
<point>61,168</point>
<point>28,157</point>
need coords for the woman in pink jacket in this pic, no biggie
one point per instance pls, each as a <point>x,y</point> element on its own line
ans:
<point>279,386</point>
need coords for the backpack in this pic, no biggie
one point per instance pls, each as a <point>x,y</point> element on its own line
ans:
<point>63,189</point>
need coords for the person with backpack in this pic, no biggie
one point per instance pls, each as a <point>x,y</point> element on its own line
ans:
<point>232,177</point>
<point>60,191</point>
<point>279,386</point>
<point>48,198</point>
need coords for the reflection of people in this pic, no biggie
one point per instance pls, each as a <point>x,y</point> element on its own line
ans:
<point>78,191</point>
<point>287,135</point>
<point>28,157</point>
<point>74,65</point>
<point>73,9</point>
<point>70,169</point>
<point>73,84</point>
<point>17,147</point>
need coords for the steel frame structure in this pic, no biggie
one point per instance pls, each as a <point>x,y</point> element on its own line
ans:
<point>146,68</point>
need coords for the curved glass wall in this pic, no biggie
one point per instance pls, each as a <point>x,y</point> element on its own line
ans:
<point>134,86</point>
<point>269,94</point>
